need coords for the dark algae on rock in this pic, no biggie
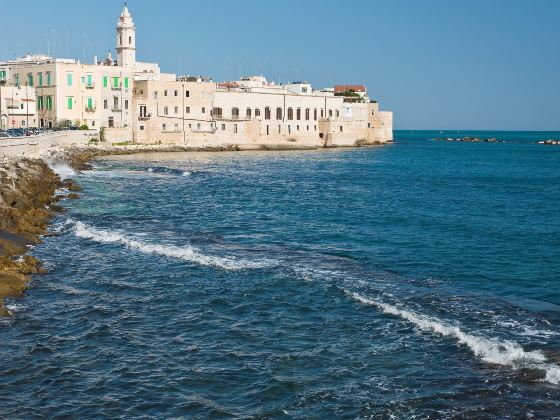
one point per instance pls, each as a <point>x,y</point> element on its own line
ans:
<point>27,203</point>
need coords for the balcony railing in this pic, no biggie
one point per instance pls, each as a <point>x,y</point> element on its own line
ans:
<point>232,118</point>
<point>144,117</point>
<point>90,86</point>
<point>116,109</point>
<point>90,109</point>
<point>118,87</point>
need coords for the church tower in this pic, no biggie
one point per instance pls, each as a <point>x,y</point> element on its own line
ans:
<point>126,40</point>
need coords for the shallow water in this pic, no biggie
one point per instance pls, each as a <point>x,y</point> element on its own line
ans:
<point>420,278</point>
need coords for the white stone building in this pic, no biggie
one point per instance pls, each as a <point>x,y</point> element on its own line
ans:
<point>135,102</point>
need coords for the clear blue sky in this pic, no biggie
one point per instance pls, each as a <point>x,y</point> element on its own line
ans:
<point>438,64</point>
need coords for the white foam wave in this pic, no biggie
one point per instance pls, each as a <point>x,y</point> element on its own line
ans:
<point>63,171</point>
<point>186,253</point>
<point>187,173</point>
<point>491,350</point>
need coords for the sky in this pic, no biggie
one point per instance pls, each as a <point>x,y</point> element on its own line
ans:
<point>437,64</point>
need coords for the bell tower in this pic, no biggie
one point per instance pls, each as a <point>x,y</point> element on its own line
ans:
<point>126,40</point>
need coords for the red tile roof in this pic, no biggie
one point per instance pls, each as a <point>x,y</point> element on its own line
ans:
<point>344,88</point>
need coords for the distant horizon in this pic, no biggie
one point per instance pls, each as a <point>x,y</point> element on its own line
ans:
<point>479,130</point>
<point>434,63</point>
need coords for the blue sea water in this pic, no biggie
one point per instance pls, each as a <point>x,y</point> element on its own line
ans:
<point>420,278</point>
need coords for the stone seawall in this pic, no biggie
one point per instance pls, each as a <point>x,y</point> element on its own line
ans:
<point>43,145</point>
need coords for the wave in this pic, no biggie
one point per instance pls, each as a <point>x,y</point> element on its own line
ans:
<point>490,350</point>
<point>185,253</point>
<point>63,171</point>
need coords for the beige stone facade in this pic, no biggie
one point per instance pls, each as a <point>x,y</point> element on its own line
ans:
<point>18,107</point>
<point>137,103</point>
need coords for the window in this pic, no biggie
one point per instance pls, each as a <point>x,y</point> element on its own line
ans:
<point>49,103</point>
<point>70,101</point>
<point>105,104</point>
<point>279,129</point>
<point>315,114</point>
<point>155,94</point>
<point>203,110</point>
<point>141,128</point>
<point>40,79</point>
<point>105,81</point>
<point>307,128</point>
<point>322,113</point>
<point>188,110</point>
<point>267,113</point>
<point>176,127</point>
<point>176,93</point>
<point>330,112</point>
<point>40,103</point>
<point>115,103</point>
<point>90,103</point>
<point>16,80</point>
<point>298,114</point>
<point>129,40</point>
<point>248,113</point>
<point>289,129</point>
<point>115,82</point>
<point>187,94</point>
<point>337,113</point>
<point>126,82</point>
<point>90,80</point>
<point>303,90</point>
<point>217,112</point>
<point>126,104</point>
<point>29,79</point>
<point>278,114</point>
<point>341,130</point>
<point>48,78</point>
<point>198,126</point>
<point>164,127</point>
<point>176,110</point>
<point>369,125</point>
<point>235,128</point>
<point>165,93</point>
<point>223,127</point>
<point>267,130</point>
<point>297,128</point>
<point>69,79</point>
<point>307,114</point>
<point>165,110</point>
<point>235,113</point>
<point>257,112</point>
<point>290,114</point>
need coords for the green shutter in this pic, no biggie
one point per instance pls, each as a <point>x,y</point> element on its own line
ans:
<point>105,81</point>
<point>90,103</point>
<point>89,81</point>
<point>126,82</point>
<point>115,82</point>
<point>29,80</point>
<point>70,102</point>
<point>49,103</point>
<point>69,77</point>
<point>40,78</point>
<point>17,80</point>
<point>48,78</point>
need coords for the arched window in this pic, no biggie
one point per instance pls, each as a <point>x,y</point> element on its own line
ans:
<point>278,113</point>
<point>307,114</point>
<point>267,113</point>
<point>235,113</point>
<point>290,114</point>
<point>298,114</point>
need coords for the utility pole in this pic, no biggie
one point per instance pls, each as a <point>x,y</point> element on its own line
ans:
<point>27,108</point>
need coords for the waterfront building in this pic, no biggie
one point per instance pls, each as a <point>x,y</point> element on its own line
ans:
<point>18,107</point>
<point>134,101</point>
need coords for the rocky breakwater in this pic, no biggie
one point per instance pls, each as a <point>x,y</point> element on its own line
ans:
<point>27,204</point>
<point>550,142</point>
<point>471,139</point>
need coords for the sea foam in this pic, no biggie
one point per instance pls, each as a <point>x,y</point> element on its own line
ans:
<point>490,350</point>
<point>185,253</point>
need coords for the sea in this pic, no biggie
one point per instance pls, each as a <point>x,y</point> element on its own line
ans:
<point>419,279</point>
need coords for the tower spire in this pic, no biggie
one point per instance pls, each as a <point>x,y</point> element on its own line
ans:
<point>126,39</point>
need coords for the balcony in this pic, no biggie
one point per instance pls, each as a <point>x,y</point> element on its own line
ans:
<point>232,118</point>
<point>116,109</point>
<point>90,86</point>
<point>118,87</point>
<point>90,109</point>
<point>144,117</point>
